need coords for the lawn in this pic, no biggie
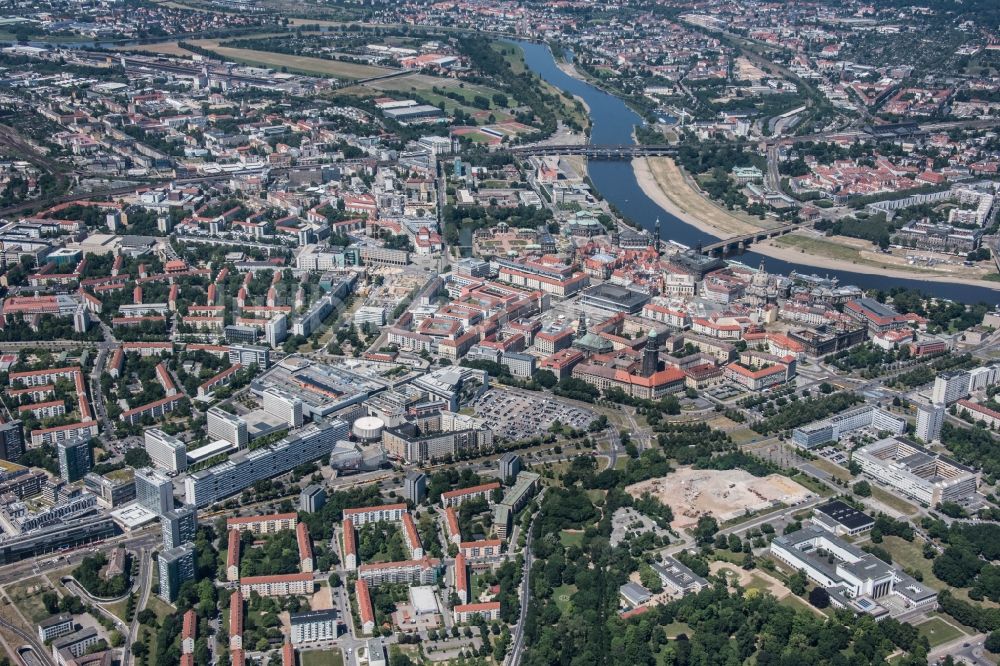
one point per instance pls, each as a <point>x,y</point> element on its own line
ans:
<point>832,468</point>
<point>793,601</point>
<point>909,555</point>
<point>742,435</point>
<point>675,629</point>
<point>812,484</point>
<point>894,501</point>
<point>294,63</point>
<point>812,245</point>
<point>938,631</point>
<point>27,594</point>
<point>571,538</point>
<point>160,607</point>
<point>118,609</point>
<point>332,657</point>
<point>512,54</point>
<point>562,596</point>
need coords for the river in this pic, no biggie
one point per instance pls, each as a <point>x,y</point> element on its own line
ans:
<point>612,122</point>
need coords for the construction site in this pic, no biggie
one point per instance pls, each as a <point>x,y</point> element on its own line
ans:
<point>725,495</point>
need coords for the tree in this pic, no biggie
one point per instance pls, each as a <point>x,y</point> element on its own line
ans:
<point>137,458</point>
<point>797,583</point>
<point>862,489</point>
<point>993,642</point>
<point>819,597</point>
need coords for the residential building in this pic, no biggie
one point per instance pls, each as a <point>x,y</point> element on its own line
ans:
<point>75,459</point>
<point>176,565</point>
<point>373,514</point>
<point>179,526</point>
<point>510,465</point>
<point>312,498</point>
<point>415,487</point>
<point>489,611</point>
<point>230,427</point>
<point>365,611</point>
<point>950,387</point>
<point>457,497</point>
<point>278,586</point>
<point>461,578</point>
<point>350,549</point>
<point>269,524</point>
<point>166,451</point>
<point>930,418</point>
<point>154,490</point>
<point>424,571</point>
<point>11,440</point>
<point>53,627</point>
<point>311,442</point>
<point>305,548</point>
<point>314,626</point>
<point>487,550</point>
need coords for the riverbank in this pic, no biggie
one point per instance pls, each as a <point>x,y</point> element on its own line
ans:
<point>664,182</point>
<point>798,256</point>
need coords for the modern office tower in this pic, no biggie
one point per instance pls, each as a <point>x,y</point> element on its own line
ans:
<point>154,490</point>
<point>930,418</point>
<point>176,566</point>
<point>312,498</point>
<point>168,452</point>
<point>415,487</point>
<point>510,466</point>
<point>247,355</point>
<point>74,459</point>
<point>283,405</point>
<point>276,330</point>
<point>949,387</point>
<point>179,526</point>
<point>11,440</point>
<point>223,425</point>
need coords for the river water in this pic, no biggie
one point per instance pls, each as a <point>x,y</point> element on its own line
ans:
<point>612,122</point>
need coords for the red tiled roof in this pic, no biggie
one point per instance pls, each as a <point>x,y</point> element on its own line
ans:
<point>350,548</point>
<point>461,574</point>
<point>236,614</point>
<point>471,490</point>
<point>305,545</point>
<point>364,602</point>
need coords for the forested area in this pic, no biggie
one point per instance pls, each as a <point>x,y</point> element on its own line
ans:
<point>719,625</point>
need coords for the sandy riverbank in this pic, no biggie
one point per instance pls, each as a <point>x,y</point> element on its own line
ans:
<point>791,255</point>
<point>662,181</point>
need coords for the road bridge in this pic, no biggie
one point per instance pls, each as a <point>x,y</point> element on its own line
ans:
<point>594,151</point>
<point>737,244</point>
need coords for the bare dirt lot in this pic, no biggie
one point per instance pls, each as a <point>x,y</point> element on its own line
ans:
<point>725,495</point>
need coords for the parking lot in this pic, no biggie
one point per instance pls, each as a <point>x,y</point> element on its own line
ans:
<point>725,391</point>
<point>514,415</point>
<point>834,455</point>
